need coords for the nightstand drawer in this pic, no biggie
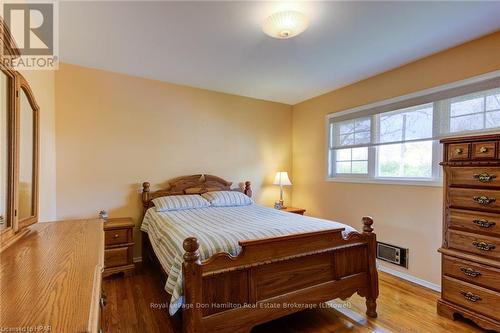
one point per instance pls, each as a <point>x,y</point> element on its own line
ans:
<point>116,236</point>
<point>116,257</point>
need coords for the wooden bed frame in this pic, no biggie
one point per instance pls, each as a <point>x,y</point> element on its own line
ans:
<point>271,277</point>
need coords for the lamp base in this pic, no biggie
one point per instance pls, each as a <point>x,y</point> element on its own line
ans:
<point>279,205</point>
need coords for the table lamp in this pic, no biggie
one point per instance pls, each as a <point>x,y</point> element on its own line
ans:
<point>281,179</point>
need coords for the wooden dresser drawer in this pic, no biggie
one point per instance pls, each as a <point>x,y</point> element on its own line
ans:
<point>484,150</point>
<point>116,236</point>
<point>474,176</point>
<point>479,244</point>
<point>458,151</point>
<point>116,257</point>
<point>469,271</point>
<point>474,198</point>
<point>487,223</point>
<point>482,300</point>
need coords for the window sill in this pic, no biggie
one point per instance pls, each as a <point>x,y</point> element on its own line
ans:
<point>387,181</point>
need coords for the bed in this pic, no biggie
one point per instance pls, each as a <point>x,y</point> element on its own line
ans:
<point>231,268</point>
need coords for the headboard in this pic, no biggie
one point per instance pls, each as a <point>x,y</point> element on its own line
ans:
<point>194,184</point>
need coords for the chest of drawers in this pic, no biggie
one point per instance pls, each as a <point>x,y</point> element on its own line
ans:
<point>471,230</point>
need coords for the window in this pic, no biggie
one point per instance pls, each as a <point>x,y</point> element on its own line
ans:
<point>352,161</point>
<point>475,112</point>
<point>405,159</point>
<point>388,143</point>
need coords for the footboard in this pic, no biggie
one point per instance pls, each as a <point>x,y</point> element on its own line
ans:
<point>273,277</point>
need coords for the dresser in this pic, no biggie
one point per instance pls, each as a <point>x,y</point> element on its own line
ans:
<point>471,230</point>
<point>119,242</point>
<point>51,278</point>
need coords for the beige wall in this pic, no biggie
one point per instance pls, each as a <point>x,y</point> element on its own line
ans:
<point>409,216</point>
<point>43,85</point>
<point>115,131</point>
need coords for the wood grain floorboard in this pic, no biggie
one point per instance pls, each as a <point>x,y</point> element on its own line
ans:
<point>402,307</point>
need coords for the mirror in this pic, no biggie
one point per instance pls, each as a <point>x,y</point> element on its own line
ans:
<point>4,149</point>
<point>26,158</point>
<point>19,147</point>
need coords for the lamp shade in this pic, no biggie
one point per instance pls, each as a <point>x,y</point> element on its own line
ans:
<point>282,179</point>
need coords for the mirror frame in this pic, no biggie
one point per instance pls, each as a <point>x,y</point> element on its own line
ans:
<point>17,84</point>
<point>11,225</point>
<point>23,86</point>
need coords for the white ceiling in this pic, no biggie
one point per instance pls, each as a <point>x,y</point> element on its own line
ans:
<point>220,45</point>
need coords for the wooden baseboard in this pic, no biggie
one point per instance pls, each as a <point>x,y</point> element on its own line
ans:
<point>137,260</point>
<point>409,278</point>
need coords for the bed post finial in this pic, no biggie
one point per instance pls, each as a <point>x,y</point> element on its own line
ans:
<point>248,189</point>
<point>367,224</point>
<point>191,246</point>
<point>192,284</point>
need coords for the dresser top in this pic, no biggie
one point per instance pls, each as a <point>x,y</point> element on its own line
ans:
<point>118,223</point>
<point>50,275</point>
<point>471,138</point>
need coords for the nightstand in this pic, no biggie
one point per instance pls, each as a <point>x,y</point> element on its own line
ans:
<point>119,246</point>
<point>294,210</point>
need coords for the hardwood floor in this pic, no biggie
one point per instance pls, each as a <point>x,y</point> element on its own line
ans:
<point>402,307</point>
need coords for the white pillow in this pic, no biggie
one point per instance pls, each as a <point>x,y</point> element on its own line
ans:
<point>227,198</point>
<point>178,202</point>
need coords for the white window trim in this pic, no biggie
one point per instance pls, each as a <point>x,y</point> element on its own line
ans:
<point>437,149</point>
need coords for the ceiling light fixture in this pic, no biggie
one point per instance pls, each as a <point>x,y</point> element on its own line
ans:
<point>285,24</point>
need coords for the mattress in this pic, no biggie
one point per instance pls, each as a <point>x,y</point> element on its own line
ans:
<point>218,229</point>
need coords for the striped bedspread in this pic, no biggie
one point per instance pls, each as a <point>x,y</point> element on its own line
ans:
<point>218,229</point>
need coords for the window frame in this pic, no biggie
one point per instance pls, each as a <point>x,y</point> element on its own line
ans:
<point>437,152</point>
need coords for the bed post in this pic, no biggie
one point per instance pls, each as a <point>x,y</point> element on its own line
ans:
<point>191,270</point>
<point>145,197</point>
<point>147,257</point>
<point>248,189</point>
<point>371,297</point>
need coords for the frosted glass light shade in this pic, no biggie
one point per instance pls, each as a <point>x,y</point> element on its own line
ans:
<point>285,24</point>
<point>282,179</point>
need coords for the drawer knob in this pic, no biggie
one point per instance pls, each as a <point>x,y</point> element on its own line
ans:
<point>470,272</point>
<point>483,223</point>
<point>483,149</point>
<point>470,296</point>
<point>483,246</point>
<point>484,177</point>
<point>484,200</point>
<point>459,151</point>
<point>103,301</point>
<point>116,236</point>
